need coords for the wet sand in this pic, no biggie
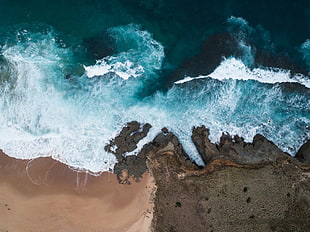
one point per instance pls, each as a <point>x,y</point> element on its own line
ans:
<point>45,195</point>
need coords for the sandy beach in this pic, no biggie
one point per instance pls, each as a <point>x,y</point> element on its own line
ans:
<point>45,195</point>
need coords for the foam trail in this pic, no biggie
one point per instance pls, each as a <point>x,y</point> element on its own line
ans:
<point>139,54</point>
<point>124,70</point>
<point>232,68</point>
<point>38,118</point>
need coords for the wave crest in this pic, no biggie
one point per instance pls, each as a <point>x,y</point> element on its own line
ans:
<point>138,54</point>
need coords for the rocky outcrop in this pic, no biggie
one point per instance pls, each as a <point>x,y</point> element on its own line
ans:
<point>303,153</point>
<point>206,149</point>
<point>166,141</point>
<point>129,166</point>
<point>243,187</point>
<point>234,148</point>
<point>135,165</point>
<point>127,139</point>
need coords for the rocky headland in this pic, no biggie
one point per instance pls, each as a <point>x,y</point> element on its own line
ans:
<point>243,186</point>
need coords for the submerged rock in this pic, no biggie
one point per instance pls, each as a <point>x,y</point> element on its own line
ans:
<point>99,46</point>
<point>212,52</point>
<point>220,45</point>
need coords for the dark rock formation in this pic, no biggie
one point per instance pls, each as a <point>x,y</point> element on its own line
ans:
<point>127,141</point>
<point>234,148</point>
<point>135,165</point>
<point>303,154</point>
<point>231,148</point>
<point>243,187</point>
<point>268,59</point>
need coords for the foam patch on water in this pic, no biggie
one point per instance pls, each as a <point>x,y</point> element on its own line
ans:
<point>241,31</point>
<point>138,53</point>
<point>305,49</point>
<point>124,70</point>
<point>233,68</point>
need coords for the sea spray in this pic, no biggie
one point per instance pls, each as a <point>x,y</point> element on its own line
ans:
<point>46,112</point>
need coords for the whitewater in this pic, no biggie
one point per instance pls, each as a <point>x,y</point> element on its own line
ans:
<point>52,105</point>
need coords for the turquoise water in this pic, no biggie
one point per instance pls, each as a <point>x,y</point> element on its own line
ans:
<point>73,73</point>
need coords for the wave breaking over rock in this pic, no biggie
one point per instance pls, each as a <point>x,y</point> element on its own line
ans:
<point>233,149</point>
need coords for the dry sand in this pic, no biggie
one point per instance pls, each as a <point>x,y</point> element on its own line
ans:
<point>45,195</point>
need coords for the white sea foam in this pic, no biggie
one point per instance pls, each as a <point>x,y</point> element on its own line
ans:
<point>124,70</point>
<point>44,114</point>
<point>232,68</point>
<point>139,54</point>
<point>187,79</point>
<point>36,118</point>
<point>241,32</point>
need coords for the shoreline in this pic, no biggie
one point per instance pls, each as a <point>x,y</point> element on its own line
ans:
<point>161,189</point>
<point>46,195</point>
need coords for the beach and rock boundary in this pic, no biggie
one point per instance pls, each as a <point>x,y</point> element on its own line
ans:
<point>243,187</point>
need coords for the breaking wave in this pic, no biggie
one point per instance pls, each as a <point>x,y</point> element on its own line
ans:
<point>138,54</point>
<point>48,110</point>
<point>232,68</point>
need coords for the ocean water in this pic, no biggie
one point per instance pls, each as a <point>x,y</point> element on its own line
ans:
<point>73,73</point>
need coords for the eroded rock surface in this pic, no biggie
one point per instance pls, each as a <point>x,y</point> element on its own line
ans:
<point>303,153</point>
<point>225,196</point>
<point>127,139</point>
<point>129,166</point>
<point>135,165</point>
<point>234,148</point>
<point>243,187</point>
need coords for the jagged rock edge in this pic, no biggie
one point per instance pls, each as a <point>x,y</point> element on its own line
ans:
<point>231,151</point>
